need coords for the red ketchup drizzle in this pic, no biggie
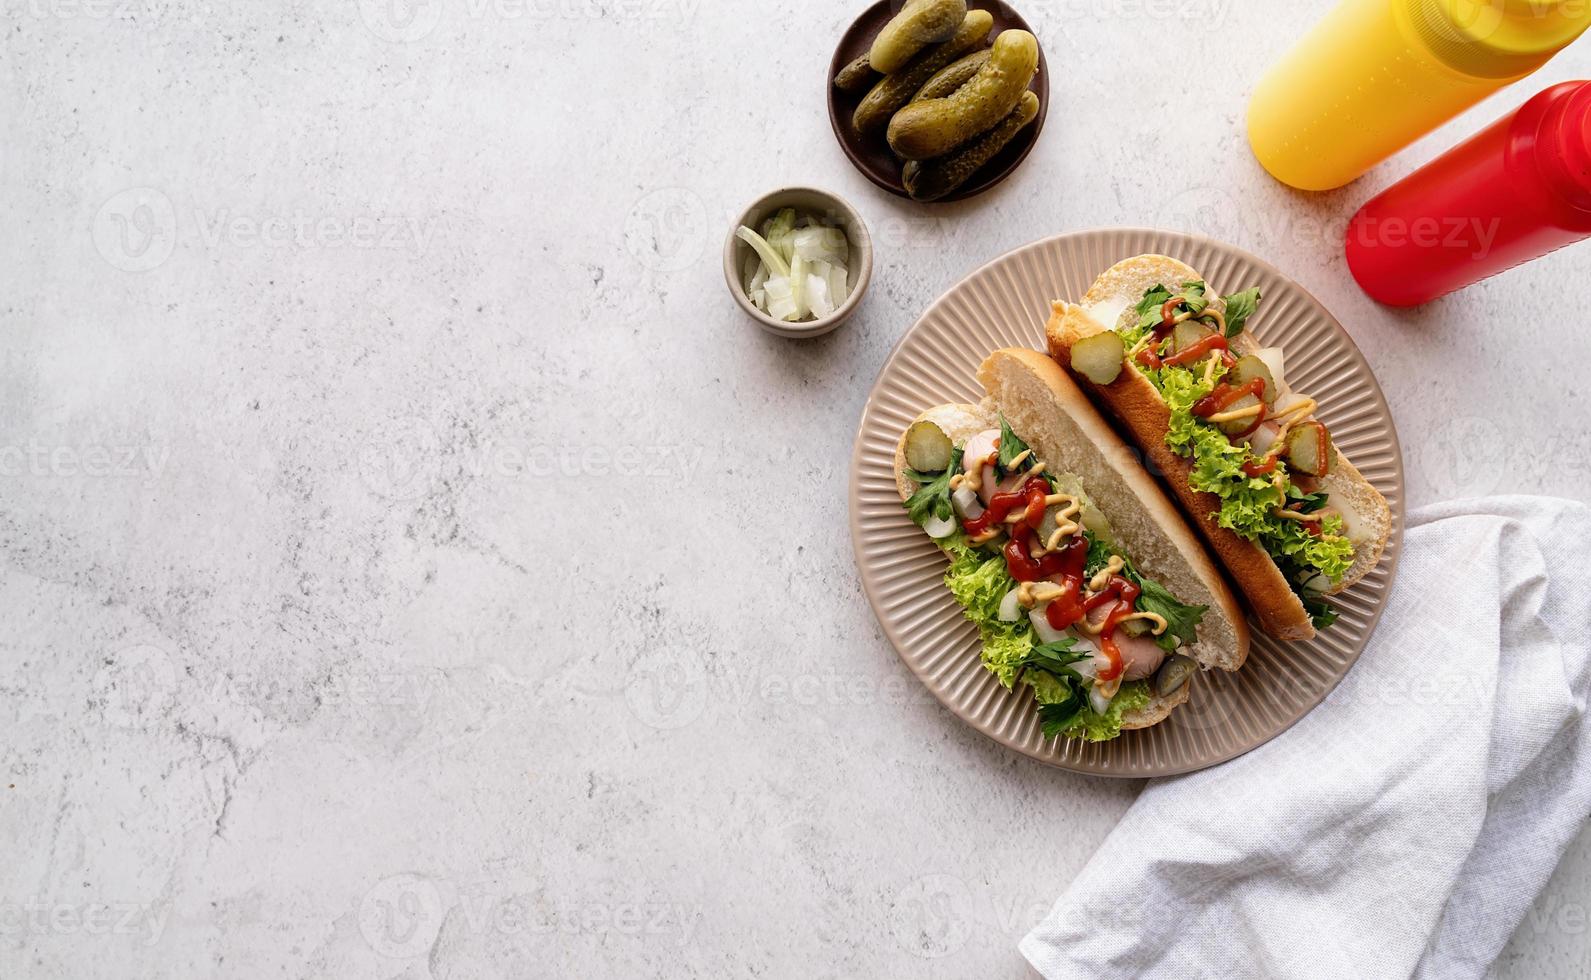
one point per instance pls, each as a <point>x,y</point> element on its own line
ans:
<point>1030,494</point>
<point>1068,608</point>
<point>1066,565</point>
<point>1199,348</point>
<point>1168,316</point>
<point>1124,594</point>
<point>1225,395</point>
<point>1260,467</point>
<point>1149,357</point>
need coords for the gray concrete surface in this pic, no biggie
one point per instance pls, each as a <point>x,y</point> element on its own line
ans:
<point>415,566</point>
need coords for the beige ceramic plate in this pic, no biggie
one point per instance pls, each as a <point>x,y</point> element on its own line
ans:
<point>1006,304</point>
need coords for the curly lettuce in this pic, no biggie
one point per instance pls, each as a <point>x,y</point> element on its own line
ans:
<point>979,580</point>
<point>1248,503</point>
<point>1102,728</point>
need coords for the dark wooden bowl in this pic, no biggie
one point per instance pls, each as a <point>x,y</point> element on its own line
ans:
<point>873,157</point>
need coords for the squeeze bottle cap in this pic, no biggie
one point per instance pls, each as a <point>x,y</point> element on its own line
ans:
<point>1497,38</point>
<point>1565,146</point>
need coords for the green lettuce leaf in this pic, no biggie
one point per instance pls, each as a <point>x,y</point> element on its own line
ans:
<point>979,580</point>
<point>933,498</point>
<point>1097,728</point>
<point>1011,446</point>
<point>1247,503</point>
<point>1154,300</point>
<point>1182,620</point>
<point>1321,613</point>
<point>1239,307</point>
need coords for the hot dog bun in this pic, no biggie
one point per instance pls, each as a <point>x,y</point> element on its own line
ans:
<point>1051,414</point>
<point>1135,403</point>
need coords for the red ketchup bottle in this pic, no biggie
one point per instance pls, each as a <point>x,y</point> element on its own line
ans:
<point>1514,192</point>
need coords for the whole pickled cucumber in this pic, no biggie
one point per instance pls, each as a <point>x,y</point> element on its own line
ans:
<point>934,127</point>
<point>930,180</point>
<point>952,76</point>
<point>893,91</point>
<point>919,24</point>
<point>855,76</point>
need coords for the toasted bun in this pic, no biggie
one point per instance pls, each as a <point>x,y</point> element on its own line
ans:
<point>1362,504</point>
<point>1159,707</point>
<point>1139,408</point>
<point>1057,421</point>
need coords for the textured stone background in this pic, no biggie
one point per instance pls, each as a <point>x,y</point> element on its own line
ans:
<point>370,415</point>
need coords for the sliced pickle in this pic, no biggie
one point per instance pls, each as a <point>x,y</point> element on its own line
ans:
<point>1236,427</point>
<point>1099,358</point>
<point>1309,449</point>
<point>1174,673</point>
<point>1188,333</point>
<point>1137,627</point>
<point>928,449</point>
<point>1249,367</point>
<point>1049,525</point>
<point>1092,518</point>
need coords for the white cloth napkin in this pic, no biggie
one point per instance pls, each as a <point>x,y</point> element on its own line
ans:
<point>1405,826</point>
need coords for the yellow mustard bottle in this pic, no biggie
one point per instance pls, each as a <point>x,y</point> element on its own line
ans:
<point>1376,75</point>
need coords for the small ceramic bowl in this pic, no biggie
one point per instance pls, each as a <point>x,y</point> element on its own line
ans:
<point>872,155</point>
<point>826,208</point>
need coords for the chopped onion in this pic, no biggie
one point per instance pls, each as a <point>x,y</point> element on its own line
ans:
<point>1107,313</point>
<point>781,301</point>
<point>1275,359</point>
<point>1086,669</point>
<point>770,258</point>
<point>1099,702</point>
<point>818,290</point>
<point>1288,403</point>
<point>797,269</point>
<point>781,231</point>
<point>1041,626</point>
<point>938,528</point>
<point>820,244</point>
<point>798,288</point>
<point>967,503</point>
<point>1010,608</point>
<point>1264,438</point>
<point>1353,525</point>
<point>839,287</point>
